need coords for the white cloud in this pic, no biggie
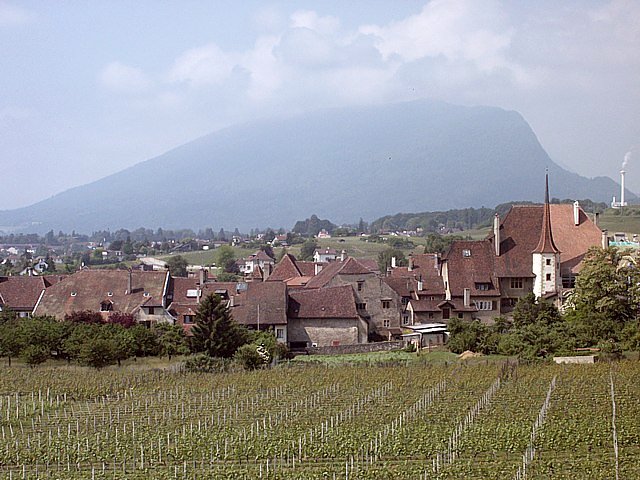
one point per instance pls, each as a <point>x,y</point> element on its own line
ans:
<point>456,30</point>
<point>123,78</point>
<point>12,15</point>
<point>207,65</point>
<point>325,25</point>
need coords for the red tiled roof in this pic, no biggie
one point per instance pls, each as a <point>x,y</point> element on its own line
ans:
<point>21,293</point>
<point>331,302</point>
<point>402,286</point>
<point>468,271</point>
<point>263,301</point>
<point>520,232</point>
<point>350,266</point>
<point>307,269</point>
<point>285,269</point>
<point>426,268</point>
<point>85,290</point>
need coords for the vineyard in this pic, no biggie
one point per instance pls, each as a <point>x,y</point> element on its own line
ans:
<point>486,420</point>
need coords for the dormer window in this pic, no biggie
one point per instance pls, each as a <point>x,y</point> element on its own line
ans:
<point>109,294</point>
<point>146,294</point>
<point>466,252</point>
<point>73,294</point>
<point>106,306</point>
<point>483,286</point>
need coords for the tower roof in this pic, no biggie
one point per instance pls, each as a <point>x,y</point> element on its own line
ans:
<point>546,243</point>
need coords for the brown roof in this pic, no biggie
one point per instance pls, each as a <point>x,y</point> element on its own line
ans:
<point>86,289</point>
<point>350,266</point>
<point>285,269</point>
<point>21,293</point>
<point>546,244</point>
<point>331,302</point>
<point>308,269</point>
<point>402,286</point>
<point>181,285</point>
<point>520,234</point>
<point>426,268</point>
<point>436,305</point>
<point>467,271</point>
<point>370,264</point>
<point>265,302</point>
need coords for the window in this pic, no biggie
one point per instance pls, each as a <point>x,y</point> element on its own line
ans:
<point>106,306</point>
<point>460,315</point>
<point>483,286</point>
<point>280,333</point>
<point>360,285</point>
<point>484,305</point>
<point>188,319</point>
<point>151,311</point>
<point>548,261</point>
<point>405,301</point>
<point>361,306</point>
<point>386,323</point>
<point>386,303</point>
<point>405,319</point>
<point>516,283</point>
<point>548,277</point>
<point>466,252</point>
<point>446,313</point>
<point>430,314</point>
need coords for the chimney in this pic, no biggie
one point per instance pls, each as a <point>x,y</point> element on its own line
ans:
<point>317,268</point>
<point>203,276</point>
<point>343,255</point>
<point>232,301</point>
<point>576,213</point>
<point>420,283</point>
<point>393,262</point>
<point>496,234</point>
<point>596,219</point>
<point>467,297</point>
<point>410,267</point>
<point>605,239</point>
<point>266,271</point>
<point>130,282</point>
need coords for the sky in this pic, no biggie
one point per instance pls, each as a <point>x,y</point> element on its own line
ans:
<point>88,88</point>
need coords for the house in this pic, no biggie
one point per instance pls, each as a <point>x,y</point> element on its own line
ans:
<point>262,306</point>
<point>323,234</point>
<point>21,294</point>
<point>185,295</point>
<point>375,299</point>
<point>324,317</point>
<point>534,249</point>
<point>292,272</point>
<point>258,259</point>
<point>325,255</point>
<point>142,294</point>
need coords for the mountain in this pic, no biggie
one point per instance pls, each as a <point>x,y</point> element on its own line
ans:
<point>341,164</point>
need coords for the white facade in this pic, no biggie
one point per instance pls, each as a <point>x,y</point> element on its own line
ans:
<point>546,268</point>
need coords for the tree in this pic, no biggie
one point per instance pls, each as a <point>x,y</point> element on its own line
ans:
<point>384,259</point>
<point>84,316</point>
<point>11,340</point>
<point>215,332</point>
<point>226,258</point>
<point>171,339</point>
<point>127,320</point>
<point>307,250</point>
<point>177,266</point>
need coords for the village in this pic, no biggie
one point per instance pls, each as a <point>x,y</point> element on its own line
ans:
<point>335,301</point>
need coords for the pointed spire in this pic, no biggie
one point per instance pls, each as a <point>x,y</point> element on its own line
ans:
<point>546,243</point>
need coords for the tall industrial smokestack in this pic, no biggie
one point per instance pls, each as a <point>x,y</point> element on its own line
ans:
<point>622,204</point>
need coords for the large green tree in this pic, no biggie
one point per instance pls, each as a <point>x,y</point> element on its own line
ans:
<point>215,331</point>
<point>177,266</point>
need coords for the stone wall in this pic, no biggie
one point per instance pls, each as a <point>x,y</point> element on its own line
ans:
<point>326,332</point>
<point>362,348</point>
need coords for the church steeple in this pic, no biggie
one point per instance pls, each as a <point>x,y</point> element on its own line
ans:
<point>546,243</point>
